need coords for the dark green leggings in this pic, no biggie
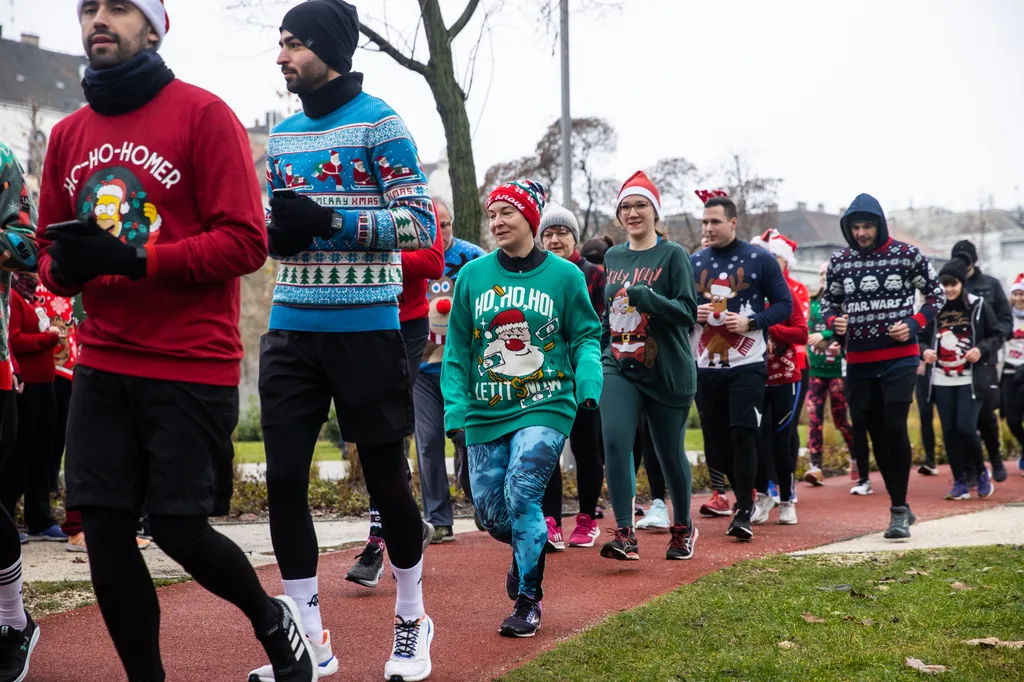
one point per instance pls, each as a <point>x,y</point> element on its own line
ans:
<point>621,406</point>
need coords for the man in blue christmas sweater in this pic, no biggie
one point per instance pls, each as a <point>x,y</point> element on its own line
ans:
<point>869,298</point>
<point>736,281</point>
<point>348,196</point>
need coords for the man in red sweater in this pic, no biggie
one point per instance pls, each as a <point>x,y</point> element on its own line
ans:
<point>150,208</point>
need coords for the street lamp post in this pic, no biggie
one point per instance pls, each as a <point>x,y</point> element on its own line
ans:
<point>566,120</point>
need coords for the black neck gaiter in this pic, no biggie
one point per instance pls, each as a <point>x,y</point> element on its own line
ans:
<point>126,87</point>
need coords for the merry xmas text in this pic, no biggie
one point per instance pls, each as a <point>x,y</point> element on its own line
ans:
<point>138,155</point>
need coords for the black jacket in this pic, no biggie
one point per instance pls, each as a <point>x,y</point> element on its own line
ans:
<point>986,336</point>
<point>989,288</point>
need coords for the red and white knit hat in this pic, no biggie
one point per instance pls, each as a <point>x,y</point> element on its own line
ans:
<point>1018,284</point>
<point>638,183</point>
<point>528,196</point>
<point>155,13</point>
<point>510,318</point>
<point>778,245</point>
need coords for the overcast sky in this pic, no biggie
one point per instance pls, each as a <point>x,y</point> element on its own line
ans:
<point>916,101</point>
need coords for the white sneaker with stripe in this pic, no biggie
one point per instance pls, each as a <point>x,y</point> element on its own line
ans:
<point>410,658</point>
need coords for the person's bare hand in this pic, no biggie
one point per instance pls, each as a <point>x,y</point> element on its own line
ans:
<point>840,324</point>
<point>900,331</point>
<point>704,312</point>
<point>834,348</point>
<point>736,323</point>
<point>4,257</point>
<point>973,355</point>
<point>814,339</point>
<point>930,356</point>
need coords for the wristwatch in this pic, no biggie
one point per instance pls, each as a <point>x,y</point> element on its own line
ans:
<point>753,323</point>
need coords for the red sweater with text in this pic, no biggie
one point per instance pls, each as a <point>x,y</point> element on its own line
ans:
<point>32,346</point>
<point>419,267</point>
<point>175,176</point>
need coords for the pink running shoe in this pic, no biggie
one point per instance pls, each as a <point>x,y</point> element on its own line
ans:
<point>555,542</point>
<point>718,505</point>
<point>585,532</point>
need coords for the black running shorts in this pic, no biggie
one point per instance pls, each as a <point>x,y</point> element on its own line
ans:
<point>895,388</point>
<point>736,395</point>
<point>365,373</point>
<point>166,443</point>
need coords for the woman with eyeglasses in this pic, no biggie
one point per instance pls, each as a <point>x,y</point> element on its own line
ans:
<point>651,306</point>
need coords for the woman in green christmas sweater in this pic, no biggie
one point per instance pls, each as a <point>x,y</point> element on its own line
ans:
<point>651,307</point>
<point>522,353</point>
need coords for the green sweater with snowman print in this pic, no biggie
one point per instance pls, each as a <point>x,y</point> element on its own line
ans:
<point>523,349</point>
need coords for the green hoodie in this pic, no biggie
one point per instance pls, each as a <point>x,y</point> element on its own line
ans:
<point>523,349</point>
<point>17,214</point>
<point>823,365</point>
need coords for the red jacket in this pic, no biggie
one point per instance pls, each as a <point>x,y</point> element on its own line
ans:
<point>783,361</point>
<point>418,267</point>
<point>175,177</point>
<point>802,298</point>
<point>32,346</point>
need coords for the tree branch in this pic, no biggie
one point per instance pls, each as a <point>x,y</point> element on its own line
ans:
<point>390,50</point>
<point>461,22</point>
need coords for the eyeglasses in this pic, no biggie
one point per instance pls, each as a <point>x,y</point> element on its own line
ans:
<point>640,206</point>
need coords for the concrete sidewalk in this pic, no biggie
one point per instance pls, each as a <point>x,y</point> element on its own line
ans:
<point>51,561</point>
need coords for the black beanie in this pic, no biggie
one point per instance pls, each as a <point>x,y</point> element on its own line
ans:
<point>965,251</point>
<point>955,267</point>
<point>330,28</point>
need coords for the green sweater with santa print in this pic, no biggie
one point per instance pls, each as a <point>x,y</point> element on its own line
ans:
<point>523,349</point>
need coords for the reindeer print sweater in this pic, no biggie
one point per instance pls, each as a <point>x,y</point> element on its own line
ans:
<point>650,308</point>
<point>740,278</point>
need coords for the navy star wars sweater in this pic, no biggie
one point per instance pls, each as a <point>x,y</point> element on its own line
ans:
<point>876,288</point>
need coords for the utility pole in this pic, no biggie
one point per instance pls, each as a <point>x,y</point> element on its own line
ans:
<point>566,120</point>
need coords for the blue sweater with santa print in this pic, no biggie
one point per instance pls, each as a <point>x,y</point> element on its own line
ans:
<point>739,278</point>
<point>361,161</point>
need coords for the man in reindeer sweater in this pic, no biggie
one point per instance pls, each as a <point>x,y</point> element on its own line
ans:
<point>869,298</point>
<point>736,279</point>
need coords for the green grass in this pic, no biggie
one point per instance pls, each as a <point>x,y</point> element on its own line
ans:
<point>45,598</point>
<point>251,452</point>
<point>728,626</point>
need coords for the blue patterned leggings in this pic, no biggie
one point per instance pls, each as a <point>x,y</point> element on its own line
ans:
<point>508,477</point>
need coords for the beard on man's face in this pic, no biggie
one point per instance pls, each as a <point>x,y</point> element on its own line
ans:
<point>110,54</point>
<point>307,79</point>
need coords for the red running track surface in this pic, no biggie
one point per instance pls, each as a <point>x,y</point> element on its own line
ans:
<point>204,639</point>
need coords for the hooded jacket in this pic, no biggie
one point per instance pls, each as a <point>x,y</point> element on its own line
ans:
<point>985,334</point>
<point>989,288</point>
<point>876,288</point>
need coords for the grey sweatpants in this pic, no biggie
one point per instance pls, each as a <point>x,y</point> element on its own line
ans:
<point>430,444</point>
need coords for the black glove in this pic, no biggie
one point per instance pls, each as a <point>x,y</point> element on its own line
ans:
<point>82,254</point>
<point>285,243</point>
<point>301,215</point>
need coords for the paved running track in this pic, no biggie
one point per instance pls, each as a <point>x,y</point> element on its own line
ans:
<point>206,640</point>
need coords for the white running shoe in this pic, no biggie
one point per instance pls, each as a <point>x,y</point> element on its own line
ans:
<point>762,508</point>
<point>862,489</point>
<point>327,664</point>
<point>410,659</point>
<point>655,517</point>
<point>787,514</point>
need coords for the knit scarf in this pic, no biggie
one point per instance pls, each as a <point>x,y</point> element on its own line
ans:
<point>126,87</point>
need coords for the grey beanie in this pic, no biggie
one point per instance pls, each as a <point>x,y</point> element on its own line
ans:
<point>558,215</point>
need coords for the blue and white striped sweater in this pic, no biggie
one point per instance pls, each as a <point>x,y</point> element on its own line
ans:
<point>361,161</point>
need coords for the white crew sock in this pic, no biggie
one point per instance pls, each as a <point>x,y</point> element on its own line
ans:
<point>12,607</point>
<point>306,593</point>
<point>409,602</point>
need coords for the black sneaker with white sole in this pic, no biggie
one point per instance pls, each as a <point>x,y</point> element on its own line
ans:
<point>369,566</point>
<point>290,653</point>
<point>428,534</point>
<point>16,649</point>
<point>680,546</point>
<point>740,526</point>
<point>512,580</point>
<point>927,469</point>
<point>525,618</point>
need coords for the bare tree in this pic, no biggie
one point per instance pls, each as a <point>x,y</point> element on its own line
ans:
<point>676,179</point>
<point>36,138</point>
<point>756,198</point>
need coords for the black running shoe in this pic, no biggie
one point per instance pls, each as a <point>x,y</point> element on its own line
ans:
<point>623,546</point>
<point>142,530</point>
<point>927,469</point>
<point>525,618</point>
<point>290,653</point>
<point>998,472</point>
<point>740,526</point>
<point>369,566</point>
<point>682,542</point>
<point>512,580</point>
<point>428,534</point>
<point>899,524</point>
<point>16,649</point>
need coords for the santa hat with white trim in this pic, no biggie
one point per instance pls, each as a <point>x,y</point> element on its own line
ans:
<point>1018,284</point>
<point>639,184</point>
<point>777,244</point>
<point>154,11</point>
<point>507,319</point>
<point>116,189</point>
<point>720,287</point>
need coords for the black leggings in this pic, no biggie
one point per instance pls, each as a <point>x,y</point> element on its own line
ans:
<point>988,427</point>
<point>10,539</point>
<point>125,591</point>
<point>775,458</point>
<point>62,396</point>
<point>886,424</point>
<point>643,451</point>
<point>926,411</point>
<point>958,413</point>
<point>1011,409</point>
<point>588,451</point>
<point>37,410</point>
<point>794,433</point>
<point>289,454</point>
